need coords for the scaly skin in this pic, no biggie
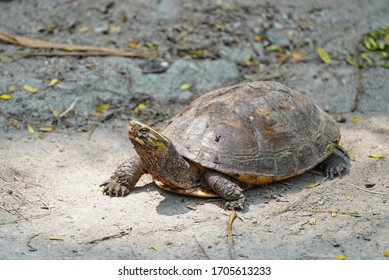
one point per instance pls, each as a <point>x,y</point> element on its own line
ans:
<point>158,156</point>
<point>125,177</point>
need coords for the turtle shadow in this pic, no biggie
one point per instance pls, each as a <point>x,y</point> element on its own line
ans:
<point>175,204</point>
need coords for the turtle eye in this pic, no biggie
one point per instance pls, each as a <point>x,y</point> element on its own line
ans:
<point>144,130</point>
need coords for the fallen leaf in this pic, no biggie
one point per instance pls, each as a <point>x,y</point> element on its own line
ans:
<point>56,238</point>
<point>5,96</point>
<point>89,66</point>
<point>83,29</point>
<point>340,257</point>
<point>48,206</point>
<point>191,207</point>
<point>46,128</point>
<point>325,57</point>
<point>132,43</point>
<point>53,82</point>
<point>273,48</point>
<point>355,119</point>
<point>42,136</point>
<point>102,107</point>
<point>54,112</point>
<point>155,248</point>
<point>258,38</point>
<point>310,186</point>
<point>386,254</point>
<point>30,129</point>
<point>31,89</point>
<point>376,156</point>
<point>139,107</point>
<point>297,56</point>
<point>184,87</point>
<point>230,221</point>
<point>312,221</point>
<point>11,89</point>
<point>14,122</point>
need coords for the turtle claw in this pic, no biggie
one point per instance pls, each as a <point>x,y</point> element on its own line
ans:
<point>235,204</point>
<point>113,188</point>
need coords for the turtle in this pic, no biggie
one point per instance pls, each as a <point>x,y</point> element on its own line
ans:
<point>232,139</point>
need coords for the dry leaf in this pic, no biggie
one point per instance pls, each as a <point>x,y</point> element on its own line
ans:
<point>139,107</point>
<point>340,257</point>
<point>48,206</point>
<point>376,156</point>
<point>386,254</point>
<point>325,57</point>
<point>132,43</point>
<point>53,82</point>
<point>297,56</point>
<point>31,89</point>
<point>46,128</point>
<point>83,29</point>
<point>5,96</point>
<point>56,238</point>
<point>258,38</point>
<point>191,207</point>
<point>42,136</point>
<point>312,221</point>
<point>54,112</point>
<point>355,119</point>
<point>155,248</point>
<point>102,107</point>
<point>310,186</point>
<point>184,87</point>
<point>14,122</point>
<point>230,221</point>
<point>30,129</point>
<point>11,89</point>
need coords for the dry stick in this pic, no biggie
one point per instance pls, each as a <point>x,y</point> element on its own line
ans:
<point>64,113</point>
<point>229,235</point>
<point>361,189</point>
<point>40,44</point>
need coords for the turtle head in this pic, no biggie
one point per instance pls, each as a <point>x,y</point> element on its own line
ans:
<point>145,138</point>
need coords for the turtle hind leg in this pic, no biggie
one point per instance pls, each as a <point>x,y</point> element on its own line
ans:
<point>227,189</point>
<point>335,164</point>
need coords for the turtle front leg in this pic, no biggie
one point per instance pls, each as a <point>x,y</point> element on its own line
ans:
<point>335,164</point>
<point>125,178</point>
<point>227,189</point>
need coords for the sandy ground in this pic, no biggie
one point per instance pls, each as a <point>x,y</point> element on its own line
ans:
<point>346,216</point>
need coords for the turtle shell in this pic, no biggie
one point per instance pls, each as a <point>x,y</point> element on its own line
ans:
<point>256,132</point>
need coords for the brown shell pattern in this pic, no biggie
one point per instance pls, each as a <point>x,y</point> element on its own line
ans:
<point>257,132</point>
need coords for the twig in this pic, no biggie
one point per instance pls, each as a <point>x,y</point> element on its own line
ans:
<point>334,212</point>
<point>80,54</point>
<point>69,108</point>
<point>229,235</point>
<point>361,189</point>
<point>121,234</point>
<point>40,44</point>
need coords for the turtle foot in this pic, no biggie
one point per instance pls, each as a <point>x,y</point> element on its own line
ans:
<point>235,204</point>
<point>336,164</point>
<point>113,188</point>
